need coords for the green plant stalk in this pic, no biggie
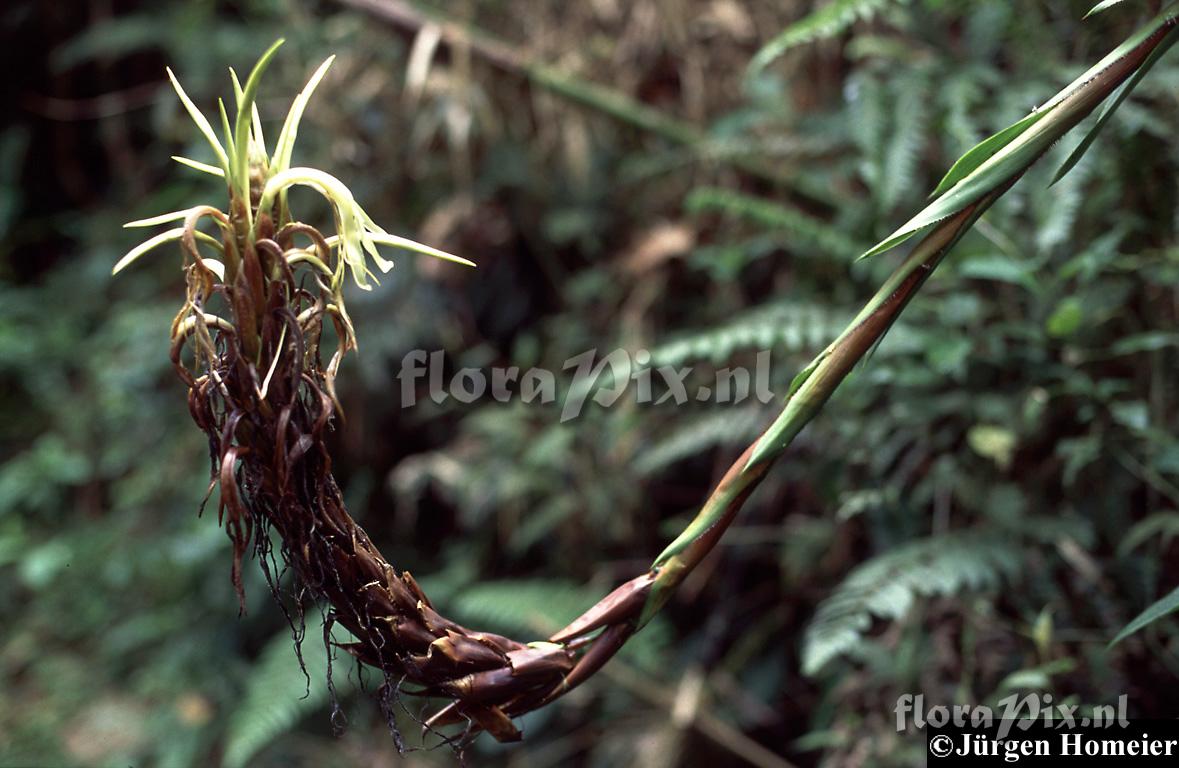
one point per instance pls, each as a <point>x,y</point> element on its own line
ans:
<point>980,178</point>
<point>812,388</point>
<point>631,606</point>
<point>819,380</point>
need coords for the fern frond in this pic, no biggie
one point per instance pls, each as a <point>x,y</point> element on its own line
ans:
<point>870,110</point>
<point>887,586</point>
<point>277,696</point>
<point>808,230</point>
<point>728,426</point>
<point>1058,211</point>
<point>901,158</point>
<point>826,22</point>
<point>793,327</point>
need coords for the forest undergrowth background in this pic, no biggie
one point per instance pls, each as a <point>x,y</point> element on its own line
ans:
<point>979,511</point>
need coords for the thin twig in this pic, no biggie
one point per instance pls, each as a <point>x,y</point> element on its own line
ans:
<point>609,101</point>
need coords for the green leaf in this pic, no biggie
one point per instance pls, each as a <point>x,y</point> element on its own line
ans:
<point>231,146</point>
<point>525,606</point>
<point>202,124</point>
<point>202,167</point>
<point>793,326</point>
<point>999,267</point>
<point>801,377</point>
<point>245,103</point>
<point>256,123</point>
<point>1037,678</point>
<point>163,218</point>
<point>1133,414</point>
<point>1151,341</point>
<point>1123,92</point>
<point>902,153</point>
<point>290,127</point>
<point>406,244</point>
<point>237,87</point>
<point>727,427</point>
<point>1163,607</point>
<point>1005,163</point>
<point>1066,318</point>
<point>983,151</point>
<point>165,237</point>
<point>1104,5</point>
<point>1162,527</point>
<point>993,442</point>
<point>40,565</point>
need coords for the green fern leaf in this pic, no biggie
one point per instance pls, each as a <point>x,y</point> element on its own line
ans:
<point>887,586</point>
<point>793,327</point>
<point>826,22</point>
<point>1057,213</point>
<point>277,696</point>
<point>728,426</point>
<point>903,153</point>
<point>807,229</point>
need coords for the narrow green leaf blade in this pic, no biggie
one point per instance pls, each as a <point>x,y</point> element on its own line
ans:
<point>1104,5</point>
<point>229,142</point>
<point>290,127</point>
<point>202,167</point>
<point>202,124</point>
<point>412,245</point>
<point>1166,605</point>
<point>982,171</point>
<point>241,134</point>
<point>164,237</point>
<point>409,245</point>
<point>163,218</point>
<point>259,137</point>
<point>801,377</point>
<point>237,87</point>
<point>1122,93</point>
<point>144,247</point>
<point>983,151</point>
<point>985,179</point>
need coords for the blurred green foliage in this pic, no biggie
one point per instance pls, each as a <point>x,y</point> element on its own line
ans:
<point>981,508</point>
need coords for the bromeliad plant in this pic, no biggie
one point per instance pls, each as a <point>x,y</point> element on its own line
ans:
<point>247,343</point>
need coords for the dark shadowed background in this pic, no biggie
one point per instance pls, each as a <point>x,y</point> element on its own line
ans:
<point>978,512</point>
